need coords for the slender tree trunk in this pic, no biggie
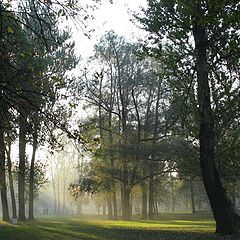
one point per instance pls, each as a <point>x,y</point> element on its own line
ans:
<point>144,201</point>
<point>54,188</point>
<point>157,211</point>
<point>80,174</point>
<point>104,209</point>
<point>5,212</point>
<point>113,185</point>
<point>58,194</point>
<point>22,164</point>
<point>79,206</point>
<point>155,203</point>
<point>192,196</point>
<point>31,179</point>
<point>173,195</point>
<point>115,207</point>
<point>98,209</point>
<point>151,193</point>
<point>227,221</point>
<point>151,165</point>
<point>126,193</point>
<point>64,187</point>
<point>186,202</point>
<point>199,205</point>
<point>114,197</point>
<point>145,161</point>
<point>11,186</point>
<point>234,196</point>
<point>121,208</point>
<point>112,99</point>
<point>110,209</point>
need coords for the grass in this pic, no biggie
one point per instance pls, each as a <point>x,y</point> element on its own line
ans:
<point>177,226</point>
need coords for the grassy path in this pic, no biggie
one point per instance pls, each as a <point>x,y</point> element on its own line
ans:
<point>169,227</point>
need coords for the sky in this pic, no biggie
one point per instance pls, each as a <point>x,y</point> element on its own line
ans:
<point>108,17</point>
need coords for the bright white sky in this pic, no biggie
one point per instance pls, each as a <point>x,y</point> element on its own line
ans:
<point>108,17</point>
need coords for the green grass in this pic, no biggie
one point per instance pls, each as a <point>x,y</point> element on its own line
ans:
<point>177,226</point>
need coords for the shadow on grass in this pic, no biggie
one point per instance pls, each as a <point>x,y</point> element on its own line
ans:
<point>76,229</point>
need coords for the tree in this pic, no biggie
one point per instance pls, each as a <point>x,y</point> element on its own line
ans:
<point>207,23</point>
<point>9,140</point>
<point>3,179</point>
<point>131,121</point>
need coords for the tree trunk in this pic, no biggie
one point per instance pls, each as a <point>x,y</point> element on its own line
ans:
<point>58,196</point>
<point>155,203</point>
<point>115,207</point>
<point>151,166</point>
<point>126,214</point>
<point>227,221</point>
<point>10,177</point>
<point>192,196</point>
<point>110,209</point>
<point>31,179</point>
<point>173,195</point>
<point>5,212</point>
<point>79,206</point>
<point>22,165</point>
<point>104,209</point>
<point>53,186</point>
<point>144,201</point>
<point>64,187</point>
<point>186,202</point>
<point>110,138</point>
<point>151,193</point>
<point>113,185</point>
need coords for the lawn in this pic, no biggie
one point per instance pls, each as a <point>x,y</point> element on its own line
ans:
<point>168,227</point>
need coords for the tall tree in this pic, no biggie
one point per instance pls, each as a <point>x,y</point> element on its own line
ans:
<point>207,24</point>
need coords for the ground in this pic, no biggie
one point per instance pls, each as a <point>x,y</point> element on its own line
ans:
<point>176,226</point>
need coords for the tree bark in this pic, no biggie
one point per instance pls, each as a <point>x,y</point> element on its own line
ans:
<point>58,195</point>
<point>10,177</point>
<point>113,185</point>
<point>173,195</point>
<point>22,164</point>
<point>227,221</point>
<point>115,207</point>
<point>151,193</point>
<point>104,209</point>
<point>192,196</point>
<point>233,194</point>
<point>5,212</point>
<point>64,186</point>
<point>151,164</point>
<point>53,186</point>
<point>155,203</point>
<point>79,206</point>
<point>110,209</point>
<point>31,179</point>
<point>126,213</point>
<point>144,201</point>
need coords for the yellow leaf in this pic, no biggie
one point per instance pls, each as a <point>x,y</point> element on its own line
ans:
<point>9,29</point>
